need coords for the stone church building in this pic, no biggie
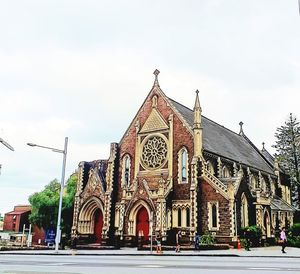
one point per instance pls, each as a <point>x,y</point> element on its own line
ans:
<point>174,169</point>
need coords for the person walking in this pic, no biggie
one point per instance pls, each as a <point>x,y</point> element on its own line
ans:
<point>158,242</point>
<point>197,241</point>
<point>178,241</point>
<point>283,240</point>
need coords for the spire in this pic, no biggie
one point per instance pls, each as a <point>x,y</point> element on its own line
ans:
<point>197,111</point>
<point>156,72</point>
<point>263,148</point>
<point>241,128</point>
<point>197,102</point>
<point>197,127</point>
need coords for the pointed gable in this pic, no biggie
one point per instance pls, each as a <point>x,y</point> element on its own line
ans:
<point>154,122</point>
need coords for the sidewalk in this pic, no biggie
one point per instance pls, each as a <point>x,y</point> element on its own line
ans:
<point>273,251</point>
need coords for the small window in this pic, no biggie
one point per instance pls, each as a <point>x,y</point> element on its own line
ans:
<point>225,172</point>
<point>183,171</point>
<point>263,184</point>
<point>253,182</point>
<point>126,171</point>
<point>183,166</point>
<point>210,168</point>
<point>179,217</point>
<point>214,215</point>
<point>188,217</point>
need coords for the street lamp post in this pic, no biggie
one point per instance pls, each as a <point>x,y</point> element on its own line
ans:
<point>64,152</point>
<point>8,146</point>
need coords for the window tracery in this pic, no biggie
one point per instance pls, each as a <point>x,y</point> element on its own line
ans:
<point>154,153</point>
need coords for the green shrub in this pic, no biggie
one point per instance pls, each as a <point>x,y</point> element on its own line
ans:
<point>207,239</point>
<point>293,235</point>
<point>294,241</point>
<point>245,244</point>
<point>295,229</point>
<point>251,233</point>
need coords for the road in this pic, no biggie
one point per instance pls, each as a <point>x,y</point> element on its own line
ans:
<point>45,264</point>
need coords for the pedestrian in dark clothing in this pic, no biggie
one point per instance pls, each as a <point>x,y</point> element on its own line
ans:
<point>197,242</point>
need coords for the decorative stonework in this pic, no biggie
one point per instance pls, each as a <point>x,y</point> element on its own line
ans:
<point>154,153</point>
<point>154,122</point>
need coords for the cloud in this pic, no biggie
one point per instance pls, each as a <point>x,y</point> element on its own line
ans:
<point>83,68</point>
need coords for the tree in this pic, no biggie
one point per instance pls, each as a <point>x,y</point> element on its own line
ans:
<point>288,154</point>
<point>44,205</point>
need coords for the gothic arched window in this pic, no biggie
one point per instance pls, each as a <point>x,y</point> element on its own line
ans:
<point>183,166</point>
<point>263,184</point>
<point>213,215</point>
<point>179,217</point>
<point>210,167</point>
<point>253,183</point>
<point>188,216</point>
<point>225,172</point>
<point>244,211</point>
<point>126,171</point>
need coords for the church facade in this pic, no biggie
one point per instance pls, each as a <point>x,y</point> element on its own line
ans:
<point>174,169</point>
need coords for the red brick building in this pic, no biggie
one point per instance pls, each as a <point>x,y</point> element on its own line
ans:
<point>16,219</point>
<point>175,169</point>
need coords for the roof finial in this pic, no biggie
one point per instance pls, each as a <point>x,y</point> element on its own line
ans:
<point>263,148</point>
<point>156,72</point>
<point>241,128</point>
<point>197,102</point>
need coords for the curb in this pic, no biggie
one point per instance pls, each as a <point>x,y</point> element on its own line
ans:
<point>152,255</point>
<point>123,254</point>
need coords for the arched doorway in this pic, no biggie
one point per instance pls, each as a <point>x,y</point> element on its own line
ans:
<point>142,223</point>
<point>98,225</point>
<point>267,224</point>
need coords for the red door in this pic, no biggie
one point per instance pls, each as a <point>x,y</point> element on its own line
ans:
<point>142,223</point>
<point>98,225</point>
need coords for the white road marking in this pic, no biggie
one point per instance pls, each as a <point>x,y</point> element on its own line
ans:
<point>151,266</point>
<point>264,268</point>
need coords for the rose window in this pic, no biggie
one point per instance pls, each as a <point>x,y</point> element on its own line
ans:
<point>154,152</point>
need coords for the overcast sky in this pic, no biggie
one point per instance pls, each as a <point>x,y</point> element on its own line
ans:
<point>83,68</point>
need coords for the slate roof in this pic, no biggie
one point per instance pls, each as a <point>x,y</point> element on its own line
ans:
<point>279,204</point>
<point>221,141</point>
<point>268,156</point>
